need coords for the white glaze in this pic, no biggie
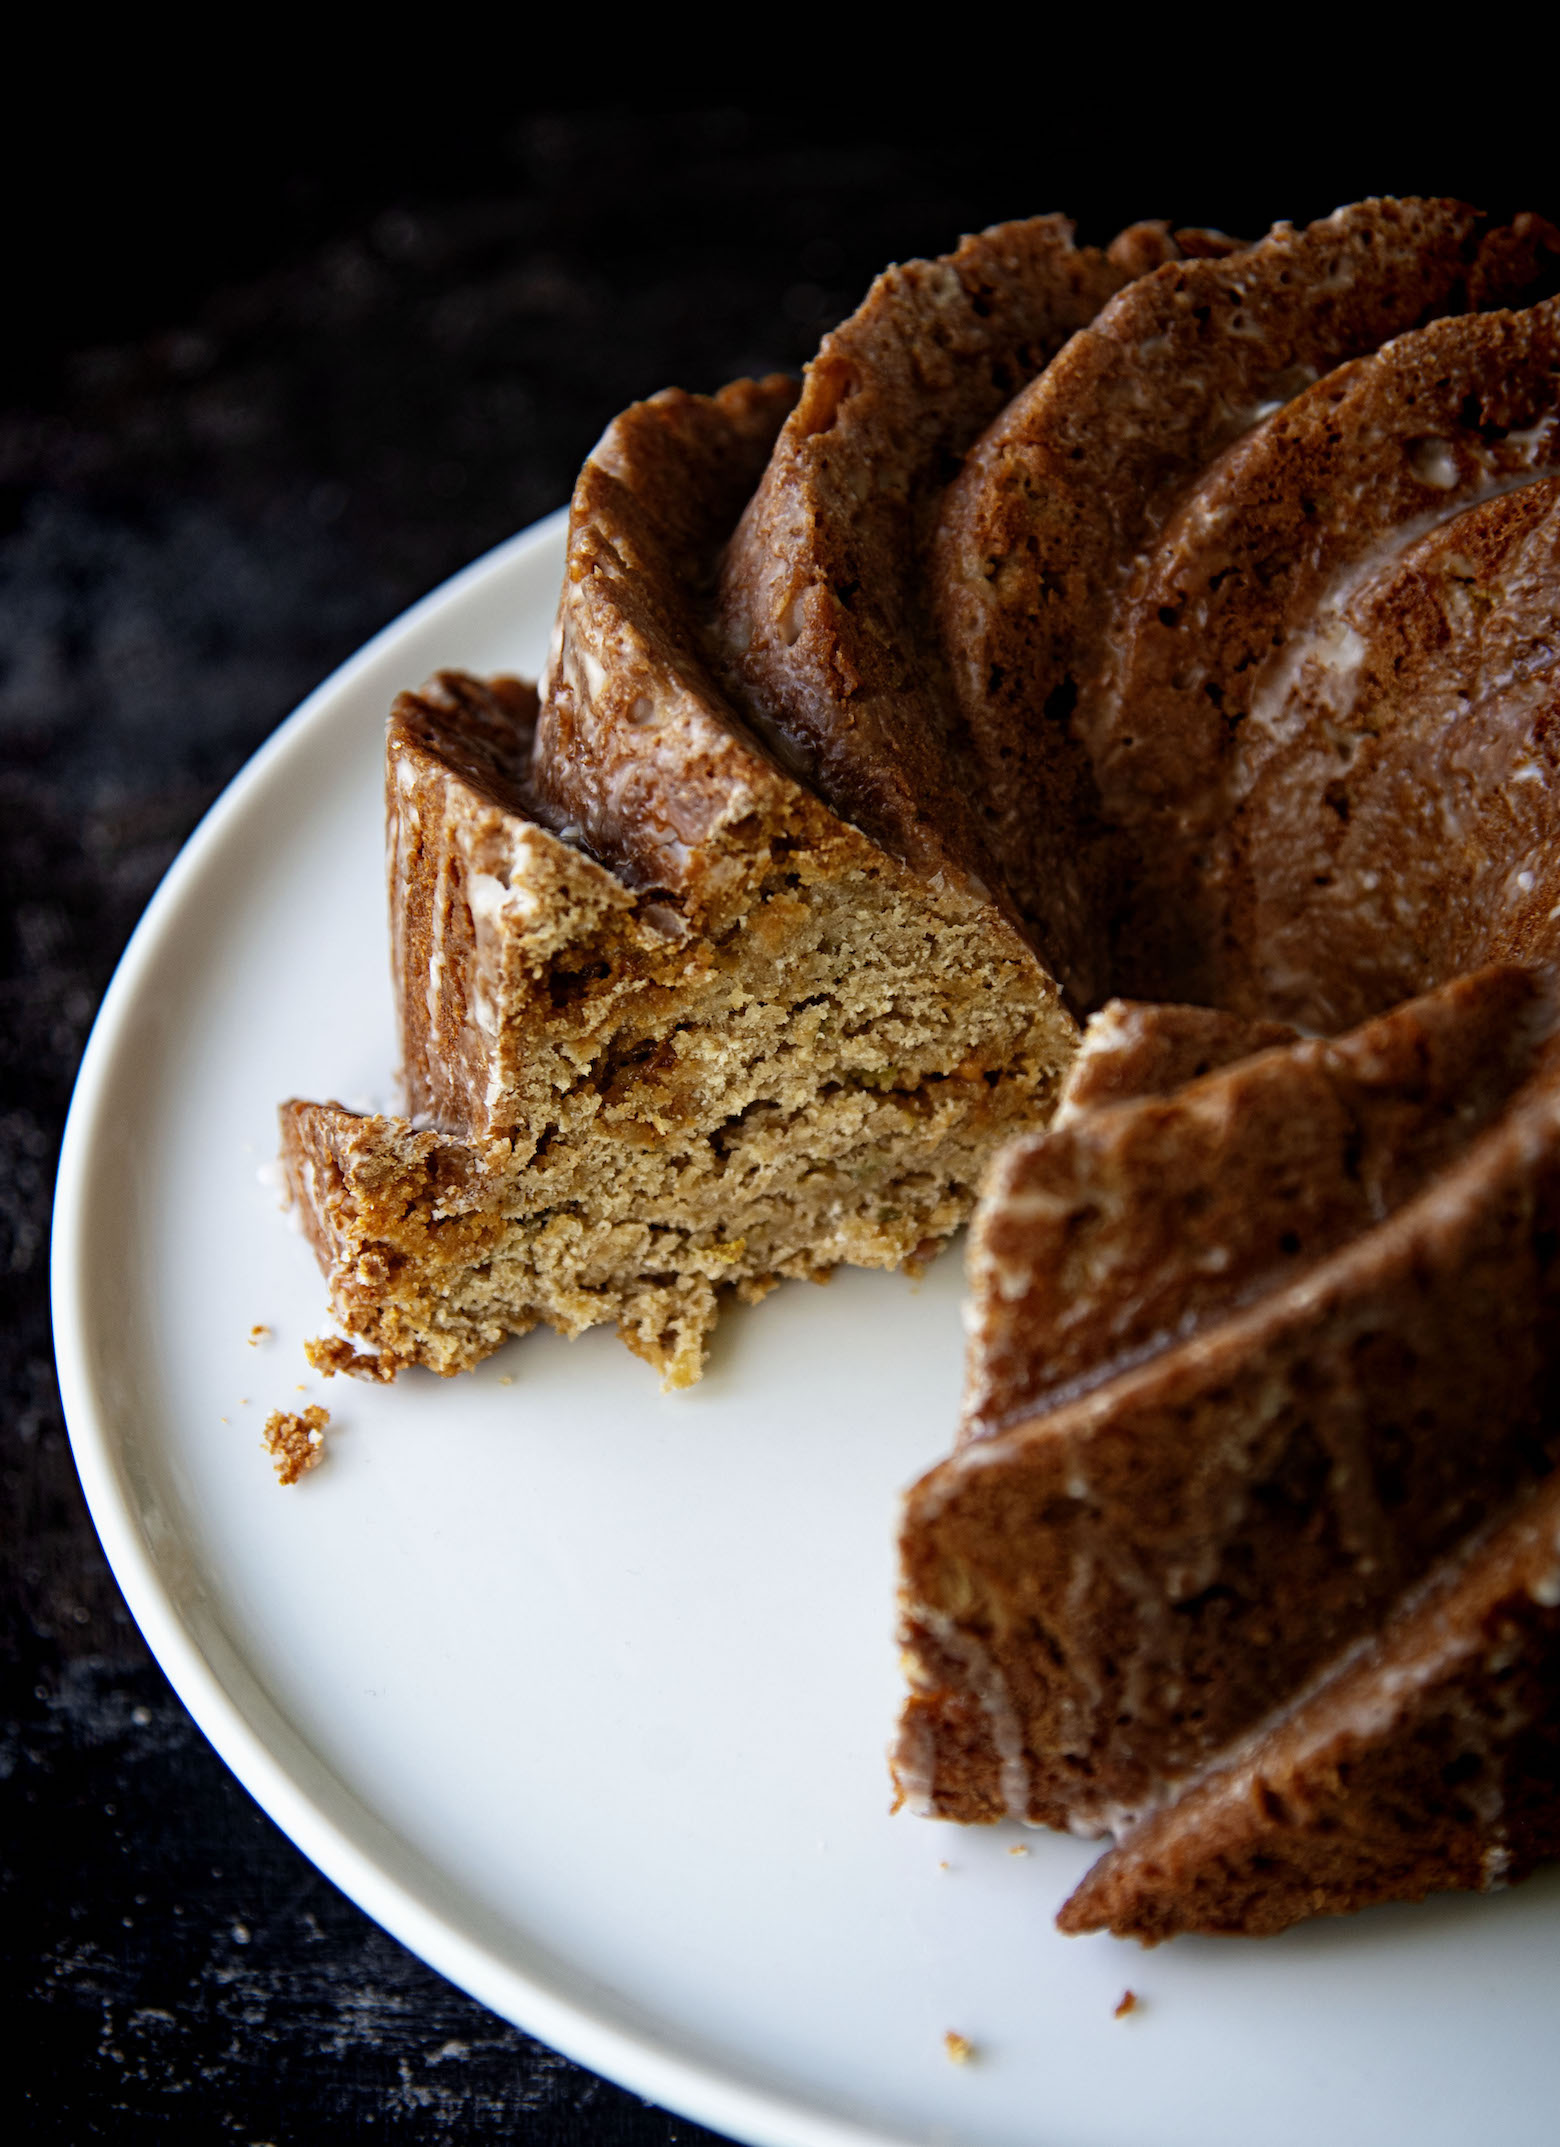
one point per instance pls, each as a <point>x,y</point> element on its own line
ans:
<point>985,1681</point>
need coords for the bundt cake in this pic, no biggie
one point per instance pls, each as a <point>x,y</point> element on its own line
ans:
<point>1179,622</point>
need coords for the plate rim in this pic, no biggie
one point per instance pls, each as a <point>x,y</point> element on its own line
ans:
<point>701,2089</point>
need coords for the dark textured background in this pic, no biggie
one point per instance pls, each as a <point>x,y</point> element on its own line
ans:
<point>267,385</point>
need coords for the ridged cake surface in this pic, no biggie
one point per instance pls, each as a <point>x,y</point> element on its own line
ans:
<point>1261,1354</point>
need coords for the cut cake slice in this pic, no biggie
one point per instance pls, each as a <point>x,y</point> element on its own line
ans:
<point>668,1023</point>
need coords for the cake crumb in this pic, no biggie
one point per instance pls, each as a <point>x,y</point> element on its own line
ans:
<point>960,2049</point>
<point>259,1333</point>
<point>506,1379</point>
<point>1129,2004</point>
<point>1018,1849</point>
<point>945,1865</point>
<point>296,1443</point>
<point>330,1354</point>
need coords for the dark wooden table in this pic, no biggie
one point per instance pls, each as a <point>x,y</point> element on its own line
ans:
<point>266,398</point>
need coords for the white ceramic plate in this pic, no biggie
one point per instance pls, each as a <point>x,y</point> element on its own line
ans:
<point>584,1692</point>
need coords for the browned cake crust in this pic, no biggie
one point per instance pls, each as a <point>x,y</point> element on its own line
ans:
<point>1061,495</point>
<point>1148,1049</point>
<point>1257,595</point>
<point>676,1026</point>
<point>1125,1230</point>
<point>638,745</point>
<point>823,611</point>
<point>1375,844</point>
<point>1299,1320</point>
<point>1260,1329</point>
<point>1429,1760</point>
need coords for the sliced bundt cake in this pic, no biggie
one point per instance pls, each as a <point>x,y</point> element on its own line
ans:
<point>1177,620</point>
<point>674,1018</point>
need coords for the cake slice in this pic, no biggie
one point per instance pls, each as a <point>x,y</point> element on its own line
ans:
<point>1246,1362</point>
<point>1429,1759</point>
<point>670,1026</point>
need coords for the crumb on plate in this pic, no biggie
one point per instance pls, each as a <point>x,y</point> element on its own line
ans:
<point>959,2048</point>
<point>1129,2004</point>
<point>330,1354</point>
<point>296,1442</point>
